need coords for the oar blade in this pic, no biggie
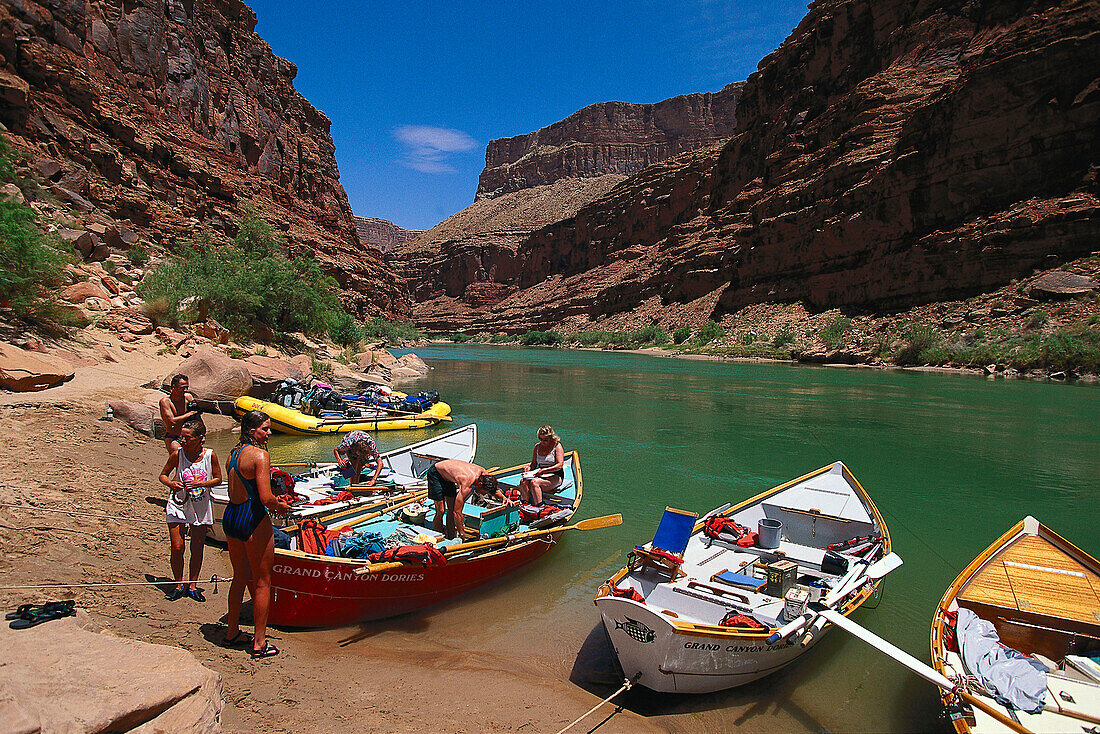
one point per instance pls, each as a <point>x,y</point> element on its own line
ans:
<point>595,523</point>
<point>890,562</point>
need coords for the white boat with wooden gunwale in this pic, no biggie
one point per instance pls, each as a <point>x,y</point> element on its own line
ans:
<point>1041,594</point>
<point>403,470</point>
<point>665,617</point>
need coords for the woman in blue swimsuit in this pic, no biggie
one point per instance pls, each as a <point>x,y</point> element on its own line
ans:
<point>248,530</point>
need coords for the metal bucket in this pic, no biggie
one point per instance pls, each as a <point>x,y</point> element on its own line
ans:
<point>768,532</point>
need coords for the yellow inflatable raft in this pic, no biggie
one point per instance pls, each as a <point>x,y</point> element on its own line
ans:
<point>289,420</point>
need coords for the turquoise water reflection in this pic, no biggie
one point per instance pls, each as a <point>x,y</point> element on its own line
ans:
<point>951,461</point>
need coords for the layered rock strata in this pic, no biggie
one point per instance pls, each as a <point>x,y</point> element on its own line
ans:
<point>175,115</point>
<point>887,154</point>
<point>475,249</point>
<point>609,137</point>
<point>383,234</point>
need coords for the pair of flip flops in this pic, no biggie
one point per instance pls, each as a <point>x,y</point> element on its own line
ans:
<point>29,615</point>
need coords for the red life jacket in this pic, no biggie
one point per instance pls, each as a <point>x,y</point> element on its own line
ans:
<point>338,498</point>
<point>512,494</point>
<point>740,620</point>
<point>314,537</point>
<point>530,513</point>
<point>628,592</point>
<point>950,641</point>
<point>716,527</point>
<point>281,482</point>
<point>422,554</point>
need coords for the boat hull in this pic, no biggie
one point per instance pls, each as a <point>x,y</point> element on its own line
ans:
<point>318,591</point>
<point>295,422</point>
<point>666,659</point>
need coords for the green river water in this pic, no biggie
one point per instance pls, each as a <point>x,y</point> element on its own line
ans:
<point>951,461</point>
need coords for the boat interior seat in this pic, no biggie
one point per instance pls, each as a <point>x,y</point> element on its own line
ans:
<point>512,482</point>
<point>819,529</point>
<point>709,603</point>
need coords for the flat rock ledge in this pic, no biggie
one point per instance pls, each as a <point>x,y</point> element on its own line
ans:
<point>62,677</point>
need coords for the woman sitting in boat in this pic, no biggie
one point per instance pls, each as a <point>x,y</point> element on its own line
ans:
<point>355,453</point>
<point>248,530</point>
<point>547,469</point>
<point>197,470</point>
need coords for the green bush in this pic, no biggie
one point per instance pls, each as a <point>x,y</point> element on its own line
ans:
<point>832,334</point>
<point>458,338</point>
<point>919,338</point>
<point>31,261</point>
<point>1038,320</point>
<point>343,330</point>
<point>137,254</point>
<point>783,338</point>
<point>248,284</point>
<point>681,334</point>
<point>593,338</point>
<point>540,338</point>
<point>503,338</point>
<point>394,332</point>
<point>707,333</point>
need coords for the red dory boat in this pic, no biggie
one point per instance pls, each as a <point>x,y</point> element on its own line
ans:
<point>313,589</point>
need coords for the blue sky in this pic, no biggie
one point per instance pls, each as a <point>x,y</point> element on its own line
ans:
<point>415,90</point>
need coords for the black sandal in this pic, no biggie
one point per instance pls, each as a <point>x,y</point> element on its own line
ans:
<point>236,641</point>
<point>44,613</point>
<point>267,651</point>
<point>22,611</point>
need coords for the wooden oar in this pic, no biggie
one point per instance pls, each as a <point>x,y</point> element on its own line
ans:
<point>310,464</point>
<point>607,521</point>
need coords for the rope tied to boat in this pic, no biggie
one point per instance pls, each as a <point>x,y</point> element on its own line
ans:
<point>214,580</point>
<point>628,683</point>
<point>82,514</point>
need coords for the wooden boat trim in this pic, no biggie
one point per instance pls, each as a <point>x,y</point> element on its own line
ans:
<point>697,629</point>
<point>1029,526</point>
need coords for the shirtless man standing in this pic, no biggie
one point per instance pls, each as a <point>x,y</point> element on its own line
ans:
<point>174,412</point>
<point>450,483</point>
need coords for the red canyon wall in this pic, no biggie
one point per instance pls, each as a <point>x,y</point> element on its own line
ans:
<point>887,154</point>
<point>175,114</point>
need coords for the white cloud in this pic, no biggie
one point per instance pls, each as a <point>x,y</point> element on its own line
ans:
<point>429,148</point>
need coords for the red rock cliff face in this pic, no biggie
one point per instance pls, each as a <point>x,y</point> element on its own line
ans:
<point>887,154</point>
<point>382,233</point>
<point>174,114</point>
<point>610,137</point>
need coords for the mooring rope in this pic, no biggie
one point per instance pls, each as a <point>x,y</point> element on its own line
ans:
<point>215,580</point>
<point>83,514</point>
<point>626,686</point>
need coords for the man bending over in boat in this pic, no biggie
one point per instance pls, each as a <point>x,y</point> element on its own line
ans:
<point>450,483</point>
<point>355,453</point>
<point>175,409</point>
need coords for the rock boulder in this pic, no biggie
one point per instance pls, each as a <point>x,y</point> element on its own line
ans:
<point>1059,285</point>
<point>213,376</point>
<point>56,679</point>
<point>267,372</point>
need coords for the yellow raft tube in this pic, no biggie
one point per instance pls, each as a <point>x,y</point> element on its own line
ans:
<point>289,420</point>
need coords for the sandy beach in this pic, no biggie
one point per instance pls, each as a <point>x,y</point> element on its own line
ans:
<point>445,670</point>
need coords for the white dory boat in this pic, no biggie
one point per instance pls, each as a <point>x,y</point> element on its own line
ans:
<point>670,619</point>
<point>403,467</point>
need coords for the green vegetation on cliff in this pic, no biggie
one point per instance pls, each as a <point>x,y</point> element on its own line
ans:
<point>31,261</point>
